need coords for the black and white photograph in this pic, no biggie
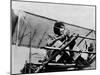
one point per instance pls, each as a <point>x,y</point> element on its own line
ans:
<point>52,37</point>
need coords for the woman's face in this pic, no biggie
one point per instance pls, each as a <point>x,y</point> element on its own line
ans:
<point>62,30</point>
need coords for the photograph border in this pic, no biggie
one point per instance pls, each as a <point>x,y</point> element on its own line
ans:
<point>53,20</point>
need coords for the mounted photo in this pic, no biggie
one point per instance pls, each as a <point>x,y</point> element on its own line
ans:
<point>52,37</point>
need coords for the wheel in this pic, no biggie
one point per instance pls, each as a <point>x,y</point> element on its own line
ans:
<point>29,68</point>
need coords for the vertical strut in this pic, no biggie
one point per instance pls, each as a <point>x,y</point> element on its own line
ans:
<point>30,49</point>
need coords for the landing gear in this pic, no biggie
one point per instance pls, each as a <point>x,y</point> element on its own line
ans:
<point>29,68</point>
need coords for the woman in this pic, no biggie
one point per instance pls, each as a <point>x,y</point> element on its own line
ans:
<point>56,39</point>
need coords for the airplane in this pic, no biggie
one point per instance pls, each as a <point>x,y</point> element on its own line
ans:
<point>31,30</point>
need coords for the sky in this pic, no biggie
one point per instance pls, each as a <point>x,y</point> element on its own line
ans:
<point>83,16</point>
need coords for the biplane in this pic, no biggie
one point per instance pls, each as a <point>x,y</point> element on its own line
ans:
<point>28,34</point>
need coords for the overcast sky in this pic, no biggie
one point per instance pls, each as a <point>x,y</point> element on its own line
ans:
<point>83,16</point>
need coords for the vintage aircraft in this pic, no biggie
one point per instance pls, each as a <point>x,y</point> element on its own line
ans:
<point>31,32</point>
